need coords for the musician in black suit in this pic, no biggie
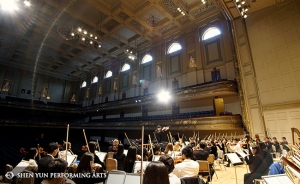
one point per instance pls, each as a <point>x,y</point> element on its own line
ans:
<point>158,133</point>
<point>202,154</point>
<point>43,162</point>
<point>257,166</point>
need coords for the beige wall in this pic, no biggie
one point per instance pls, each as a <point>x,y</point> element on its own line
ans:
<point>274,37</point>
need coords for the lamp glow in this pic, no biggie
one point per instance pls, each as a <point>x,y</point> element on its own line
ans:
<point>164,96</point>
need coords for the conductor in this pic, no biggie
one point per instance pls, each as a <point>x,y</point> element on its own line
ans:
<point>158,132</point>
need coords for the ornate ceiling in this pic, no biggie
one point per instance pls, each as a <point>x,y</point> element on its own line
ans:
<point>38,37</point>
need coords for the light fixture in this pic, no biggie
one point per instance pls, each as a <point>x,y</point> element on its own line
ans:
<point>12,5</point>
<point>184,9</point>
<point>27,3</point>
<point>242,7</point>
<point>88,38</point>
<point>153,21</point>
<point>164,96</point>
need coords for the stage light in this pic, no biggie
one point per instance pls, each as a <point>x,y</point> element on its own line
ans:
<point>164,96</point>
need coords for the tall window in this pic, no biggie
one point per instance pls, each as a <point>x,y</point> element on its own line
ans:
<point>147,58</point>
<point>108,74</point>
<point>83,84</point>
<point>125,67</point>
<point>211,32</point>
<point>95,79</point>
<point>174,47</point>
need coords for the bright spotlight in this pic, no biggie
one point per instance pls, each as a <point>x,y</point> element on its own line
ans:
<point>27,3</point>
<point>8,5</point>
<point>164,96</point>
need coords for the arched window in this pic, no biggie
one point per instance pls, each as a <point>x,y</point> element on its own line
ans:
<point>147,58</point>
<point>108,74</point>
<point>83,84</point>
<point>174,47</point>
<point>125,67</point>
<point>95,79</point>
<point>211,32</point>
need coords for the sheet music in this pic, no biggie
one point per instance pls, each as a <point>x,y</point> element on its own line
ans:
<point>234,158</point>
<point>125,152</point>
<point>277,179</point>
<point>242,154</point>
<point>156,157</point>
<point>294,172</point>
<point>115,178</point>
<point>132,178</point>
<point>297,161</point>
<point>101,155</point>
<point>20,167</point>
<point>70,159</point>
<point>137,166</point>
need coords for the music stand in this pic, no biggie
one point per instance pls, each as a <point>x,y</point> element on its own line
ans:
<point>132,178</point>
<point>115,177</point>
<point>137,166</point>
<point>235,160</point>
<point>277,179</point>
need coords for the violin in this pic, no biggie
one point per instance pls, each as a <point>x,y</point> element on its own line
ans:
<point>84,148</point>
<point>41,151</point>
<point>23,151</point>
<point>115,148</point>
<point>178,160</point>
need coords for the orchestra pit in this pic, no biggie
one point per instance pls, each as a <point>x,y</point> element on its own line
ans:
<point>149,91</point>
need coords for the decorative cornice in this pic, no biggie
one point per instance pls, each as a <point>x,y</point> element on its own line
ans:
<point>280,106</point>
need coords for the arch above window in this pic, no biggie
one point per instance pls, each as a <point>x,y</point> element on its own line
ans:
<point>211,32</point>
<point>83,84</point>
<point>125,67</point>
<point>95,79</point>
<point>147,58</point>
<point>174,47</point>
<point>108,74</point>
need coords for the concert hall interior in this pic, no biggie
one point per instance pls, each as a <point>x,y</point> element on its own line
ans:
<point>99,70</point>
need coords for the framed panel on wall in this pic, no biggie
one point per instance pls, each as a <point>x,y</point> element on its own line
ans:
<point>147,72</point>
<point>213,52</point>
<point>175,64</point>
<point>6,85</point>
<point>107,85</point>
<point>125,80</point>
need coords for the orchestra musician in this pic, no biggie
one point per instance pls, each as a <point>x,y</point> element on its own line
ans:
<point>158,133</point>
<point>257,166</point>
<point>114,147</point>
<point>62,153</point>
<point>189,167</point>
<point>176,147</point>
<point>169,163</point>
<point>30,158</point>
<point>284,144</point>
<point>43,162</point>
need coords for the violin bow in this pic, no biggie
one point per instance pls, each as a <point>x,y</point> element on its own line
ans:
<point>98,145</point>
<point>87,145</point>
<point>127,139</point>
<point>151,144</point>
<point>67,141</point>
<point>38,146</point>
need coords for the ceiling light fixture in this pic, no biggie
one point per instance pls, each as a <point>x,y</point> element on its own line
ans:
<point>184,10</point>
<point>242,7</point>
<point>88,38</point>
